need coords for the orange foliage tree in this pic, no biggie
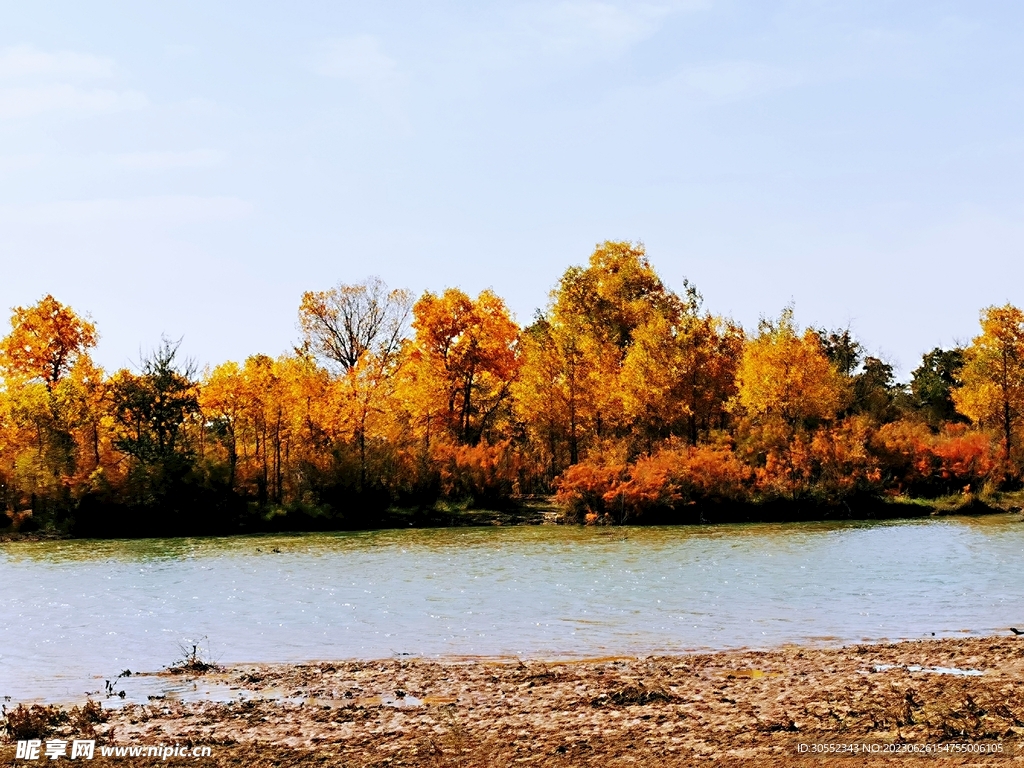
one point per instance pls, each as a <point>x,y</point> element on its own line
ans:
<point>992,393</point>
<point>465,356</point>
<point>46,340</point>
<point>40,454</point>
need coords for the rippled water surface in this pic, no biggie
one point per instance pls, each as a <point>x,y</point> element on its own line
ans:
<point>74,610</point>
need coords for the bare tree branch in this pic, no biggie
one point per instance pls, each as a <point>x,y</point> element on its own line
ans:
<point>342,324</point>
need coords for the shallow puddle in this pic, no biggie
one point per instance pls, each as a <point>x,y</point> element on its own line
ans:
<point>918,668</point>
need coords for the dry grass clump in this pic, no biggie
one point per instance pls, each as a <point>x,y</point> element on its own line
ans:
<point>85,718</point>
<point>40,721</point>
<point>34,722</point>
<point>959,713</point>
<point>192,662</point>
<point>634,693</point>
<point>935,710</point>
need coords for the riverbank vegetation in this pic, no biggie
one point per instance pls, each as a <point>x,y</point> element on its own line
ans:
<point>624,399</point>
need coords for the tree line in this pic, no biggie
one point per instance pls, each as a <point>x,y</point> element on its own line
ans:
<point>625,399</point>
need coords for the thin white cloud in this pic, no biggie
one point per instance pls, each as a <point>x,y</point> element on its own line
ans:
<point>31,101</point>
<point>569,27</point>
<point>25,61</point>
<point>166,210</point>
<point>596,26</point>
<point>176,49</point>
<point>22,162</point>
<point>164,161</point>
<point>733,80</point>
<point>359,60</point>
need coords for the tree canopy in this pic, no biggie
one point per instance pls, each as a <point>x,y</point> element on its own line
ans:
<point>624,396</point>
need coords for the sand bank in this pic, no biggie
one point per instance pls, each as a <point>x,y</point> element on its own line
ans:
<point>737,707</point>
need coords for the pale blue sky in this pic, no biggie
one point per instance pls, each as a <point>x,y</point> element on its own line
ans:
<point>190,168</point>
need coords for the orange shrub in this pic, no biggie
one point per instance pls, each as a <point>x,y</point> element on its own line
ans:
<point>651,483</point>
<point>844,466</point>
<point>668,479</point>
<point>963,458</point>
<point>582,487</point>
<point>787,470</point>
<point>828,464</point>
<point>671,478</point>
<point>922,462</point>
<point>716,474</point>
<point>903,448</point>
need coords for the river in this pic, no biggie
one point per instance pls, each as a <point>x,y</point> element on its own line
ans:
<point>78,612</point>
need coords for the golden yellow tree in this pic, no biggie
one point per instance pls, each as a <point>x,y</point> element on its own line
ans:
<point>35,456</point>
<point>224,399</point>
<point>570,390</point>
<point>616,292</point>
<point>266,426</point>
<point>679,374</point>
<point>993,375</point>
<point>83,400</point>
<point>787,391</point>
<point>563,386</point>
<point>786,376</point>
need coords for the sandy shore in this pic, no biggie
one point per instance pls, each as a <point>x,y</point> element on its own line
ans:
<point>742,708</point>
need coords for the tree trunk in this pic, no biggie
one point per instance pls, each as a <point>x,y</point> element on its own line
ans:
<point>232,457</point>
<point>278,494</point>
<point>574,449</point>
<point>362,453</point>
<point>1007,416</point>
